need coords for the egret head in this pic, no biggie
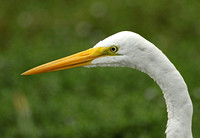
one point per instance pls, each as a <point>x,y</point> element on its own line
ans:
<point>116,50</point>
<point>130,47</point>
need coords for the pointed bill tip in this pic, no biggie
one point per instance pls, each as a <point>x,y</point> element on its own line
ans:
<point>25,73</point>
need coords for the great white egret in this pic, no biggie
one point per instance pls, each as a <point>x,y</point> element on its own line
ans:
<point>128,49</point>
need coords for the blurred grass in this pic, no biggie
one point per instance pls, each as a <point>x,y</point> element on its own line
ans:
<point>95,102</point>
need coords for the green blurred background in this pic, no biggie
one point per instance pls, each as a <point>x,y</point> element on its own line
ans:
<point>94,102</point>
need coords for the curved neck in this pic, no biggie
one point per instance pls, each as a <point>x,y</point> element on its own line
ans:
<point>179,105</point>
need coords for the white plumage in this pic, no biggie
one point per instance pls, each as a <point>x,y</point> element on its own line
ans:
<point>138,53</point>
<point>132,50</point>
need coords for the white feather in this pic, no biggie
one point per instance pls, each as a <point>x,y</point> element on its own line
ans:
<point>138,53</point>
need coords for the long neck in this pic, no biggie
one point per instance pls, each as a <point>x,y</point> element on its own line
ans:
<point>179,105</point>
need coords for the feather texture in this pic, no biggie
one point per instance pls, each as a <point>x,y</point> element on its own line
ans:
<point>138,53</point>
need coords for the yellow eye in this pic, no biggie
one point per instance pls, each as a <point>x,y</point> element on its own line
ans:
<point>114,49</point>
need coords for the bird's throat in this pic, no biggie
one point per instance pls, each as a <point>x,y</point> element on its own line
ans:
<point>174,88</point>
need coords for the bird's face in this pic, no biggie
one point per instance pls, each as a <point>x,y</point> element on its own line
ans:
<point>112,51</point>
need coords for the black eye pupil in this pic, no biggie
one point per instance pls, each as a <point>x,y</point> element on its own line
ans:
<point>113,49</point>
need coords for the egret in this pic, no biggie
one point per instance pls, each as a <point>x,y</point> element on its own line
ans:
<point>129,49</point>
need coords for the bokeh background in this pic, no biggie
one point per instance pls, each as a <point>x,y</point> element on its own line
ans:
<point>94,102</point>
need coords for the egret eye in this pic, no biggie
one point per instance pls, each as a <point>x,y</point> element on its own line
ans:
<point>113,49</point>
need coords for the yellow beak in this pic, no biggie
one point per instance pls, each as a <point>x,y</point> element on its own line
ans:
<point>79,59</point>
